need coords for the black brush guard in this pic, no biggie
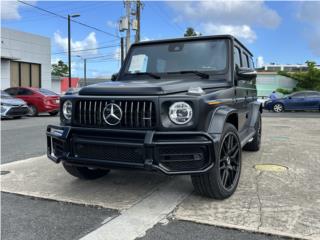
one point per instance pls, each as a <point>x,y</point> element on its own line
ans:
<point>170,152</point>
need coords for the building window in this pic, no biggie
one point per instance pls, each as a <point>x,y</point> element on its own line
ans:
<point>24,74</point>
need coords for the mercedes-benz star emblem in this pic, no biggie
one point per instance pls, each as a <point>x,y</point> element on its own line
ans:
<point>112,114</point>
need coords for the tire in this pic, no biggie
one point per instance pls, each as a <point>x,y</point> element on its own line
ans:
<point>278,107</point>
<point>33,111</point>
<point>53,113</point>
<point>222,180</point>
<point>254,145</point>
<point>84,172</point>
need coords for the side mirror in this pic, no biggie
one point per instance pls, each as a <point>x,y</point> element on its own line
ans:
<point>289,97</point>
<point>114,77</point>
<point>246,73</point>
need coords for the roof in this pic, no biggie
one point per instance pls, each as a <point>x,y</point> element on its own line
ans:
<point>186,39</point>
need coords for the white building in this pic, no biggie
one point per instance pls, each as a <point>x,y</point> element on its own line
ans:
<point>25,59</point>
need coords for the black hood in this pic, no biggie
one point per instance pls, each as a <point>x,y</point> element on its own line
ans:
<point>148,87</point>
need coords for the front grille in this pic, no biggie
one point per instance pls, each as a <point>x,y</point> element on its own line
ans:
<point>17,111</point>
<point>135,113</point>
<point>108,153</point>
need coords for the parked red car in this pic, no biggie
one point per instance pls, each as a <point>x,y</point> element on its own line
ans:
<point>38,99</point>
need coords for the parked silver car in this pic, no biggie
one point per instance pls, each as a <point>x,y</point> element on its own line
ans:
<point>12,107</point>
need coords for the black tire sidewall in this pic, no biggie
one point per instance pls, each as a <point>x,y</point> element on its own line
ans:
<point>216,169</point>
<point>34,111</point>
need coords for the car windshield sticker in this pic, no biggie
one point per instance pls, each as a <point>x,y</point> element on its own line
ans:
<point>138,63</point>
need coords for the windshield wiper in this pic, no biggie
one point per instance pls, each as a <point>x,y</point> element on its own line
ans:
<point>198,73</point>
<point>146,73</point>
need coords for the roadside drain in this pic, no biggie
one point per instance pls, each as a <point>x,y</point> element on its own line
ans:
<point>4,172</point>
<point>270,167</point>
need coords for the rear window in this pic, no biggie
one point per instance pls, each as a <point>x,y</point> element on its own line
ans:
<point>47,92</point>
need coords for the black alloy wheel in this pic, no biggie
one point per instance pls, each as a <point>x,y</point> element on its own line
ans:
<point>229,161</point>
<point>222,180</point>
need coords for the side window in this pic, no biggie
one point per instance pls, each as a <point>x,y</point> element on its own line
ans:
<point>237,59</point>
<point>245,61</point>
<point>11,91</point>
<point>312,94</point>
<point>24,92</point>
<point>298,95</point>
<point>251,64</point>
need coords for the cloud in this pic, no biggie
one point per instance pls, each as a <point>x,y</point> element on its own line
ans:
<point>260,62</point>
<point>89,42</point>
<point>227,17</point>
<point>243,31</point>
<point>10,9</point>
<point>308,12</point>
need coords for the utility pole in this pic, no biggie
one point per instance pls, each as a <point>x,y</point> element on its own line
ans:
<point>85,71</point>
<point>138,8</point>
<point>69,44</point>
<point>69,51</point>
<point>121,50</point>
<point>128,16</point>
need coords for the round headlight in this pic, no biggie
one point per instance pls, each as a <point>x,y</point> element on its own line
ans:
<point>67,109</point>
<point>180,113</point>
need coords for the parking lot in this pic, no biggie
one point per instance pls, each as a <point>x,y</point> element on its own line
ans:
<point>41,201</point>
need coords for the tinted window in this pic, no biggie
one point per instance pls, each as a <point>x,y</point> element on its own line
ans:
<point>24,91</point>
<point>47,92</point>
<point>298,95</point>
<point>237,59</point>
<point>251,64</point>
<point>245,62</point>
<point>161,58</point>
<point>3,94</point>
<point>313,94</point>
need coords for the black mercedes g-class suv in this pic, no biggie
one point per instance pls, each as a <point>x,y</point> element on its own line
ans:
<point>179,106</point>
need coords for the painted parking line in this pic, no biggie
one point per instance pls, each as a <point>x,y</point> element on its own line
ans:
<point>135,221</point>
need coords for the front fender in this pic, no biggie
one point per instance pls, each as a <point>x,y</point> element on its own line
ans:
<point>218,119</point>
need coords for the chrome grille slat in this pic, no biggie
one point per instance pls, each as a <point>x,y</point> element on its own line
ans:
<point>131,114</point>
<point>95,113</point>
<point>135,113</point>
<point>137,117</point>
<point>80,109</point>
<point>85,112</point>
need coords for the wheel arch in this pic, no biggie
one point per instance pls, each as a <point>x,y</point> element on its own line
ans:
<point>254,109</point>
<point>220,116</point>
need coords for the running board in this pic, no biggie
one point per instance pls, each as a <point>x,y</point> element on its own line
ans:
<point>248,136</point>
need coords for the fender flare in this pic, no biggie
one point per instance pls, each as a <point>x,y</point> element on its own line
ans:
<point>254,108</point>
<point>218,119</point>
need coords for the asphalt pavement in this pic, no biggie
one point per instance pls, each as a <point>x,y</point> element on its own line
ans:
<point>24,138</point>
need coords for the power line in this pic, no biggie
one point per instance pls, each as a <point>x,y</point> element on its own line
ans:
<point>63,17</point>
<point>87,49</point>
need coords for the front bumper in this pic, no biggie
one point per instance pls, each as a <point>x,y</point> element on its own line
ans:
<point>169,152</point>
<point>14,111</point>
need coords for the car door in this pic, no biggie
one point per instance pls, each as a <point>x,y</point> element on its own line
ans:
<point>312,100</point>
<point>26,95</point>
<point>295,101</point>
<point>241,91</point>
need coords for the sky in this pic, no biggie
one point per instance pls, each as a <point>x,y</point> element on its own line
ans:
<point>284,32</point>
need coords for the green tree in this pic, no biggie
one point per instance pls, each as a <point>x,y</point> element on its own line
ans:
<point>190,32</point>
<point>306,80</point>
<point>60,69</point>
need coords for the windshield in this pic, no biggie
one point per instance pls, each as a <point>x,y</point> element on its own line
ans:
<point>192,57</point>
<point>47,92</point>
<point>3,94</point>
